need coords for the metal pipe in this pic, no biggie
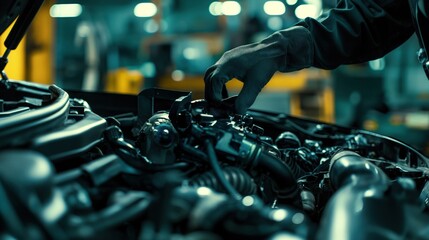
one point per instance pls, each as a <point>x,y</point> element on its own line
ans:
<point>362,208</point>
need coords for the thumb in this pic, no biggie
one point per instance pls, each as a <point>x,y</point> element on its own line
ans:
<point>246,98</point>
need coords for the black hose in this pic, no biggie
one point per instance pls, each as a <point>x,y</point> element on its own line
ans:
<point>239,179</point>
<point>280,172</point>
<point>218,171</point>
<point>361,200</point>
<point>194,152</point>
<point>129,207</point>
<point>348,166</point>
<point>291,161</point>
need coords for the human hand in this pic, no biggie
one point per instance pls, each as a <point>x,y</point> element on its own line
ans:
<point>254,64</point>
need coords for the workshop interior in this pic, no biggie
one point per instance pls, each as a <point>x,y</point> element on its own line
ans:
<point>105,132</point>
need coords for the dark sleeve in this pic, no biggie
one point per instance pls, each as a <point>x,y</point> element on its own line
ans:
<point>358,31</point>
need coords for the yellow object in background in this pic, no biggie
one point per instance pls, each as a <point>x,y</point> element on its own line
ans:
<point>370,125</point>
<point>124,81</point>
<point>15,69</point>
<point>40,55</point>
<point>32,60</point>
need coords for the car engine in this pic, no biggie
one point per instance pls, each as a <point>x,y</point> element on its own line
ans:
<point>177,168</point>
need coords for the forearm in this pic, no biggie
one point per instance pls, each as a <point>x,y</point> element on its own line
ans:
<point>358,30</point>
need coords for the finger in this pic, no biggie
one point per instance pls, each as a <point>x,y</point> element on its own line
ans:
<point>214,79</point>
<point>207,83</point>
<point>225,93</point>
<point>246,97</point>
<point>256,79</point>
<point>217,84</point>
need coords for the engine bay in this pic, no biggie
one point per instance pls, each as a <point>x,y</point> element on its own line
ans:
<point>177,168</point>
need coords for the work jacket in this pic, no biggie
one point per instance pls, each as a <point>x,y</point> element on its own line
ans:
<point>357,31</point>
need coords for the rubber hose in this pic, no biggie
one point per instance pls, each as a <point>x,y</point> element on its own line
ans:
<point>362,205</point>
<point>293,165</point>
<point>347,166</point>
<point>219,173</point>
<point>238,178</point>
<point>280,172</point>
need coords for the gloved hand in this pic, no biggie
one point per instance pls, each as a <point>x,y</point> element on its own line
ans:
<point>254,64</point>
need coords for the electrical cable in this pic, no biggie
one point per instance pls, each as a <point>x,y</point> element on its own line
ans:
<point>130,206</point>
<point>218,171</point>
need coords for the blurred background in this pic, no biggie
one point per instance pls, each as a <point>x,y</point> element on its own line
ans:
<point>123,46</point>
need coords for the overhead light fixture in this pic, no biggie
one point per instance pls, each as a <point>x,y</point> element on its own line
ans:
<point>231,8</point>
<point>227,8</point>
<point>307,10</point>
<point>215,8</point>
<point>65,10</point>
<point>145,10</point>
<point>274,8</point>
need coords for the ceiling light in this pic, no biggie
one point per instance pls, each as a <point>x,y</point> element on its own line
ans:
<point>65,10</point>
<point>274,8</point>
<point>145,10</point>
